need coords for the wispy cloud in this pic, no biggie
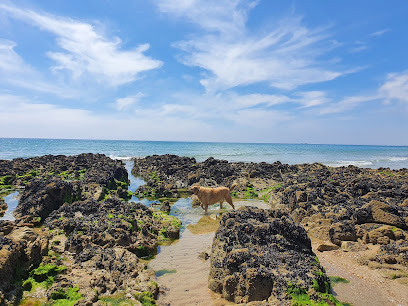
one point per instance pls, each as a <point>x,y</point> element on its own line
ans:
<point>126,102</point>
<point>395,87</point>
<point>358,49</point>
<point>312,98</point>
<point>379,33</point>
<point>87,51</point>
<point>286,57</point>
<point>347,104</point>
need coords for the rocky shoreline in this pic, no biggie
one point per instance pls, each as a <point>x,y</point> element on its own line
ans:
<point>76,238</point>
<point>344,208</point>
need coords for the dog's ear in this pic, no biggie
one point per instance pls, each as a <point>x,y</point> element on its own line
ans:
<point>195,189</point>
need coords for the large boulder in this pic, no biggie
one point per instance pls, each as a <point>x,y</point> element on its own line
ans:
<point>41,197</point>
<point>262,255</point>
<point>342,231</point>
<point>20,249</point>
<point>379,212</point>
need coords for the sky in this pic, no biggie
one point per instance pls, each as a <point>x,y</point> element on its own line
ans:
<point>333,72</point>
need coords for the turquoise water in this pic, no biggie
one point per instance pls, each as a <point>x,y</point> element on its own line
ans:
<point>394,157</point>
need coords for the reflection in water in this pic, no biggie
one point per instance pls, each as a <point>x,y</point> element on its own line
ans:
<point>12,201</point>
<point>136,182</point>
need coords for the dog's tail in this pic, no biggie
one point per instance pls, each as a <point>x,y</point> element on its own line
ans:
<point>233,186</point>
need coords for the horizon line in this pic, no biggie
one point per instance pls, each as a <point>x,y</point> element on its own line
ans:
<point>215,142</point>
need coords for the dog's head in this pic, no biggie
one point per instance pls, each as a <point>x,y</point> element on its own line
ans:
<point>195,189</point>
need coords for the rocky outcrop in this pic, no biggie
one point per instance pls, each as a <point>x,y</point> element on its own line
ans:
<point>40,198</point>
<point>111,223</point>
<point>379,212</point>
<point>91,175</point>
<point>3,207</point>
<point>106,240</point>
<point>168,175</point>
<point>20,250</point>
<point>91,240</point>
<point>262,255</point>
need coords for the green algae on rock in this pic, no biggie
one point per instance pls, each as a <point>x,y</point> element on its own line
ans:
<point>262,255</point>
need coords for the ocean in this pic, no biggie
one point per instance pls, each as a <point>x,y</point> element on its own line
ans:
<point>394,157</point>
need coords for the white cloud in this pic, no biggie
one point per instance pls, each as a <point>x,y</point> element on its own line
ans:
<point>85,50</point>
<point>126,102</point>
<point>395,87</point>
<point>286,57</point>
<point>358,49</point>
<point>379,33</point>
<point>21,117</point>
<point>221,16</point>
<point>312,98</point>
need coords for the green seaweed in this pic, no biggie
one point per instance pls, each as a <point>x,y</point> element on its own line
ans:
<point>337,280</point>
<point>164,271</point>
<point>146,298</point>
<point>300,296</point>
<point>250,192</point>
<point>66,296</point>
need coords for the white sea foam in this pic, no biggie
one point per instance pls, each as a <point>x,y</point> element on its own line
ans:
<point>358,163</point>
<point>397,159</point>
<point>121,157</point>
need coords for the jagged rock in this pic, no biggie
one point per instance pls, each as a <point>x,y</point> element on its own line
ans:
<point>257,255</point>
<point>342,231</point>
<point>3,207</point>
<point>165,207</point>
<point>378,212</point>
<point>351,246</point>
<point>40,198</point>
<point>110,223</point>
<point>393,253</point>
<point>20,250</point>
<point>327,246</point>
<point>166,174</point>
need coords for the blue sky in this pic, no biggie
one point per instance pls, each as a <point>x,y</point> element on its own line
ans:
<point>205,70</point>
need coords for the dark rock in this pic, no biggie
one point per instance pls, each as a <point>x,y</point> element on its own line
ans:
<point>257,254</point>
<point>342,231</point>
<point>40,198</point>
<point>3,207</point>
<point>165,207</point>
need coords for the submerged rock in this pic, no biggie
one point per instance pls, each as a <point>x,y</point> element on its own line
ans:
<point>262,255</point>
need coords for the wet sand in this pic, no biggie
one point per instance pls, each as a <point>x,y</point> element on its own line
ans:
<point>367,286</point>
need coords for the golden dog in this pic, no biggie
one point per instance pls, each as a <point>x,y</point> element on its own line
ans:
<point>209,196</point>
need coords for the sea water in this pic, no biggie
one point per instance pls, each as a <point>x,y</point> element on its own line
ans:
<point>394,157</point>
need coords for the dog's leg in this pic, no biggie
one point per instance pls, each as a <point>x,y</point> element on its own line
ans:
<point>221,204</point>
<point>229,200</point>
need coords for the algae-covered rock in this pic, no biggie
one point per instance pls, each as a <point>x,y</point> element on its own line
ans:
<point>40,198</point>
<point>112,223</point>
<point>262,255</point>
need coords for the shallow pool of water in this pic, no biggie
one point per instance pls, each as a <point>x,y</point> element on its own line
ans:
<point>12,201</point>
<point>136,182</point>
